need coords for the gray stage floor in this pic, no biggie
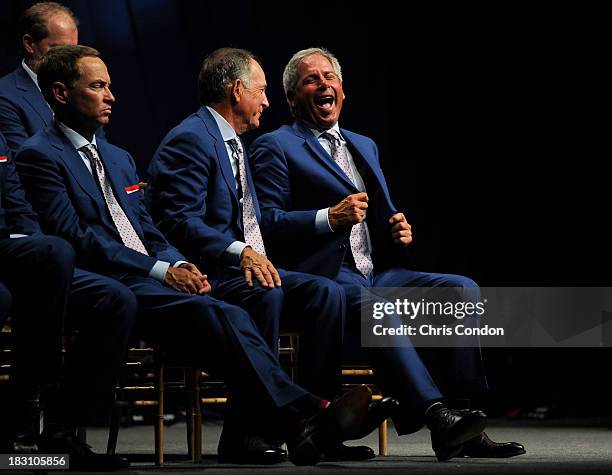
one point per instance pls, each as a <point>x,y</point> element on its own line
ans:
<point>558,448</point>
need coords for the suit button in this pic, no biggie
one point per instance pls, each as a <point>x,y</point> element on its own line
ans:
<point>342,246</point>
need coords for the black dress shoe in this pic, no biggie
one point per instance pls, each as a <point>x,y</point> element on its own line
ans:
<point>24,444</point>
<point>340,421</point>
<point>450,429</point>
<point>483,447</point>
<point>342,453</point>
<point>249,448</point>
<point>28,430</point>
<point>81,455</point>
<point>378,412</point>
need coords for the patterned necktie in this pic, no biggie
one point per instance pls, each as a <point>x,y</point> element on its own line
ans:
<point>122,223</point>
<point>359,234</point>
<point>252,233</point>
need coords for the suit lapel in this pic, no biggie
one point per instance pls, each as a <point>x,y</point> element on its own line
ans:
<point>76,166</point>
<point>33,96</point>
<point>364,154</point>
<point>319,152</point>
<point>221,151</point>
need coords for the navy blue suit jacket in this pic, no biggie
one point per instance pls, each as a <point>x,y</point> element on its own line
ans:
<point>295,177</point>
<point>192,190</point>
<point>23,109</point>
<point>16,215</point>
<point>69,203</point>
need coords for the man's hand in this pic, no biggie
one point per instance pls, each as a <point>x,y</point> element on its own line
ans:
<point>350,211</point>
<point>401,231</point>
<point>192,268</point>
<point>254,264</point>
<point>195,271</point>
<point>188,279</point>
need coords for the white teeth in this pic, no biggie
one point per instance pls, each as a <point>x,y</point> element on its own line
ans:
<point>325,101</point>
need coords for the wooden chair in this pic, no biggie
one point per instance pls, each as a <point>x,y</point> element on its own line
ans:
<point>145,383</point>
<point>357,375</point>
<point>7,354</point>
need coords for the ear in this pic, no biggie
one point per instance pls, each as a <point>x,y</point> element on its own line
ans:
<point>59,92</point>
<point>28,44</point>
<point>236,90</point>
<point>290,98</point>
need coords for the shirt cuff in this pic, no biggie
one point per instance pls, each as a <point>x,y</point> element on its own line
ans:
<point>158,271</point>
<point>233,252</point>
<point>15,236</point>
<point>322,225</point>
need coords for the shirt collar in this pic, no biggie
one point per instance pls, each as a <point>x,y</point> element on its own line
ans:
<point>76,139</point>
<point>32,74</point>
<point>317,133</point>
<point>227,131</point>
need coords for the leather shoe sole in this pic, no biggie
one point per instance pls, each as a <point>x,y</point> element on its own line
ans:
<point>248,449</point>
<point>267,457</point>
<point>483,447</point>
<point>344,453</point>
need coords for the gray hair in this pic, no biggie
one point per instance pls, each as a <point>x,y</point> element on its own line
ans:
<point>220,69</point>
<point>290,74</point>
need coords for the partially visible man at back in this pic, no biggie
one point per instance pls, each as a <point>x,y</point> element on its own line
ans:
<point>23,109</point>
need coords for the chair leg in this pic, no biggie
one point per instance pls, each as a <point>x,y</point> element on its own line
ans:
<point>159,423</point>
<point>188,375</point>
<point>197,417</point>
<point>113,431</point>
<point>383,444</point>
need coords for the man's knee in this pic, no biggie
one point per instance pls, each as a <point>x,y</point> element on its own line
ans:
<point>469,290</point>
<point>459,281</point>
<point>57,253</point>
<point>326,289</point>
<point>212,318</point>
<point>466,283</point>
<point>119,304</point>
<point>273,297</point>
<point>330,289</point>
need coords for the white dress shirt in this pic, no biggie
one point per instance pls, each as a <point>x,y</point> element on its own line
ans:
<point>31,73</point>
